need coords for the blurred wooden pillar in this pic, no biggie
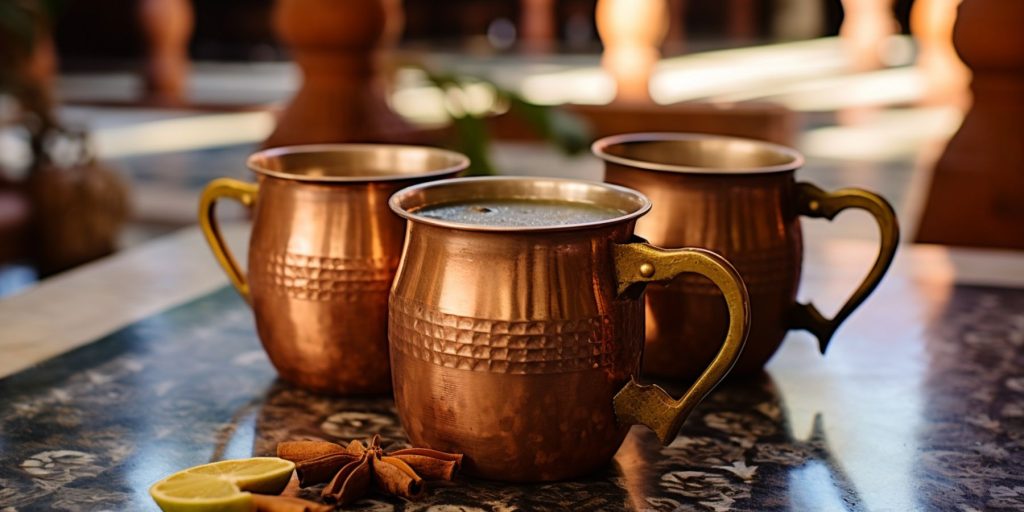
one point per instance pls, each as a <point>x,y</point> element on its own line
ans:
<point>931,23</point>
<point>866,26</point>
<point>675,38</point>
<point>537,25</point>
<point>742,20</point>
<point>337,44</point>
<point>167,27</point>
<point>632,32</point>
<point>977,190</point>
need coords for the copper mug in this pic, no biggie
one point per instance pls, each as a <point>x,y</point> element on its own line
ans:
<point>518,346</point>
<point>739,198</point>
<point>322,255</point>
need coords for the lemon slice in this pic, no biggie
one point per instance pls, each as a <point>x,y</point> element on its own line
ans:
<point>222,486</point>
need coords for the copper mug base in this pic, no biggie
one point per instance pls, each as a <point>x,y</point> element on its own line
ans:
<point>518,346</point>
<point>322,255</point>
<point>739,198</point>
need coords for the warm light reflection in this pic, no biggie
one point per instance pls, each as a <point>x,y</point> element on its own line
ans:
<point>183,134</point>
<point>889,135</point>
<point>584,86</point>
<point>861,430</point>
<point>812,487</point>
<point>711,74</point>
<point>806,76</point>
<point>826,93</point>
<point>427,105</point>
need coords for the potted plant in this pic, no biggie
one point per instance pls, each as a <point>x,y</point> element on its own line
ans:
<point>76,205</point>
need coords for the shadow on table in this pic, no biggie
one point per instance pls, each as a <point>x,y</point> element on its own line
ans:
<point>287,413</point>
<point>736,452</point>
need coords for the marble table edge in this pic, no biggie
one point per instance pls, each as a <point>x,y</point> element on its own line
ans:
<point>80,306</point>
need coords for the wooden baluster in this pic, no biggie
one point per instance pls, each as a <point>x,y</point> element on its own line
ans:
<point>742,20</point>
<point>537,25</point>
<point>167,27</point>
<point>675,38</point>
<point>632,32</point>
<point>977,189</point>
<point>931,23</point>
<point>866,26</point>
<point>342,98</point>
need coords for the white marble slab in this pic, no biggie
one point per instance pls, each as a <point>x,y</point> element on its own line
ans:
<point>84,304</point>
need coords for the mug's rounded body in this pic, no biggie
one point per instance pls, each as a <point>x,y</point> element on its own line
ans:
<point>509,347</point>
<point>738,198</point>
<point>322,256</point>
<point>515,338</point>
<point>752,221</point>
<point>321,261</point>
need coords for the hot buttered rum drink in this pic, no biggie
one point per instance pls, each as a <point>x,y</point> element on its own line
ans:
<point>519,212</point>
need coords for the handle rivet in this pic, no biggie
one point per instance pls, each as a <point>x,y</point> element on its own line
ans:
<point>814,205</point>
<point>646,270</point>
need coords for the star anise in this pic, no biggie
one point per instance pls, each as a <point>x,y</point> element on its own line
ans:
<point>352,470</point>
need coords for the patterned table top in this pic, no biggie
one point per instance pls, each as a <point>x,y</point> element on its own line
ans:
<point>919,405</point>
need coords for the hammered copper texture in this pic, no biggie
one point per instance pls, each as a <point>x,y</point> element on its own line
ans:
<point>751,220</point>
<point>518,346</point>
<point>501,346</point>
<point>508,347</point>
<point>319,286</point>
<point>738,198</point>
<point>323,279</point>
<point>322,256</point>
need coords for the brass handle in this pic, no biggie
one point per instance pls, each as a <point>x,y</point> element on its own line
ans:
<point>242,192</point>
<point>649,404</point>
<point>815,202</point>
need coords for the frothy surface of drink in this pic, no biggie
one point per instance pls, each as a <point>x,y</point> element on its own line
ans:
<point>519,213</point>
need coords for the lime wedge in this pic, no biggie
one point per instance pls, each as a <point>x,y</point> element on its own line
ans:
<point>222,486</point>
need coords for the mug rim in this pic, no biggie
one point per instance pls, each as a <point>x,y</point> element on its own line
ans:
<point>395,203</point>
<point>459,161</point>
<point>599,149</point>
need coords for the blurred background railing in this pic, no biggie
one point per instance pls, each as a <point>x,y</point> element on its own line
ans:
<point>115,112</point>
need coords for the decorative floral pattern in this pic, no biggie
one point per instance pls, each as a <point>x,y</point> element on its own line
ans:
<point>61,465</point>
<point>90,430</point>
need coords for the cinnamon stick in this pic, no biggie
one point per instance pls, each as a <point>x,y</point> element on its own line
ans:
<point>350,483</point>
<point>321,469</point>
<point>396,477</point>
<point>298,451</point>
<point>266,503</point>
<point>430,464</point>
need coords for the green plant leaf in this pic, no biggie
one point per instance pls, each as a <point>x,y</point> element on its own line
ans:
<point>567,132</point>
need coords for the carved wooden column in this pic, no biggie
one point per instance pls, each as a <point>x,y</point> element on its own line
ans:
<point>742,22</point>
<point>632,32</point>
<point>977,190</point>
<point>537,27</point>
<point>931,22</point>
<point>866,26</point>
<point>167,27</point>
<point>675,38</point>
<point>342,98</point>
